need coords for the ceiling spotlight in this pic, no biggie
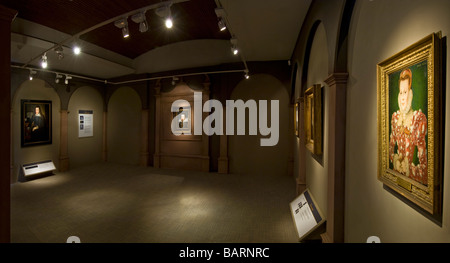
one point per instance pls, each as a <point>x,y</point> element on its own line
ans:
<point>141,20</point>
<point>58,76</point>
<point>67,79</point>
<point>234,48</point>
<point>59,52</point>
<point>221,24</point>
<point>76,50</point>
<point>125,32</point>
<point>247,76</point>
<point>164,11</point>
<point>169,22</point>
<point>32,72</point>
<point>123,24</point>
<point>174,80</point>
<point>44,61</point>
<point>220,12</point>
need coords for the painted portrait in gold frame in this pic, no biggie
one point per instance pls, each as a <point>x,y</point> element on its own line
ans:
<point>313,119</point>
<point>409,124</point>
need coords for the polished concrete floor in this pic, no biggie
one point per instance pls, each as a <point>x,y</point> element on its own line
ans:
<point>128,204</point>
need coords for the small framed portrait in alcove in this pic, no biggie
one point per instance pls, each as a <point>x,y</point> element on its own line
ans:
<point>36,122</point>
<point>409,123</point>
<point>181,120</point>
<point>313,119</point>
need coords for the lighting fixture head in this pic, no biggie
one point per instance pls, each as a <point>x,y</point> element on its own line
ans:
<point>66,81</point>
<point>58,76</point>
<point>59,52</point>
<point>123,24</point>
<point>220,12</point>
<point>44,63</point>
<point>140,19</point>
<point>234,48</point>
<point>169,22</point>
<point>32,72</point>
<point>165,12</point>
<point>222,25</point>
<point>247,76</point>
<point>76,50</point>
<point>174,80</point>
<point>125,32</point>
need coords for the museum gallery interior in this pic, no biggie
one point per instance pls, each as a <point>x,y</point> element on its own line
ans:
<point>217,121</point>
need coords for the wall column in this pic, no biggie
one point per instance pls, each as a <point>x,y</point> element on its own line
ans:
<point>6,16</point>
<point>205,137</point>
<point>11,161</point>
<point>144,138</point>
<point>105,138</point>
<point>63,145</point>
<point>291,149</point>
<point>223,154</point>
<point>337,83</point>
<point>157,157</point>
<point>301,178</point>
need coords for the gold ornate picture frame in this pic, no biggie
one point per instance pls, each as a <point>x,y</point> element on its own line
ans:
<point>409,123</point>
<point>313,119</point>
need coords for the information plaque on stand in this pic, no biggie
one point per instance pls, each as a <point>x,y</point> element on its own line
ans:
<point>37,169</point>
<point>306,214</point>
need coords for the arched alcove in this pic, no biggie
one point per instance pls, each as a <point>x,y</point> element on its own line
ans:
<point>187,150</point>
<point>246,155</point>
<point>85,99</point>
<point>34,90</point>
<point>123,126</point>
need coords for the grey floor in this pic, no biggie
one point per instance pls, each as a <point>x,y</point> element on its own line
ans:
<point>115,203</point>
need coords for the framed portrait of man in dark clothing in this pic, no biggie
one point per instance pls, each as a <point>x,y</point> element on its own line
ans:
<point>36,122</point>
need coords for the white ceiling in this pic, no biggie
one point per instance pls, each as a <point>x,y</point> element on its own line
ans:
<point>266,30</point>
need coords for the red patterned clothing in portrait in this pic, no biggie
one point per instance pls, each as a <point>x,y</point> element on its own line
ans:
<point>409,132</point>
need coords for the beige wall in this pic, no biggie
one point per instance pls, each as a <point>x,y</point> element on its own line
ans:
<point>245,153</point>
<point>124,126</point>
<point>380,29</point>
<point>88,150</point>
<point>34,90</point>
<point>316,168</point>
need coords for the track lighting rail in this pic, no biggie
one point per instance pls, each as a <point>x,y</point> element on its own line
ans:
<point>128,81</point>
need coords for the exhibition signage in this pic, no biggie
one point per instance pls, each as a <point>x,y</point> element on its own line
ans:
<point>85,123</point>
<point>306,214</point>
